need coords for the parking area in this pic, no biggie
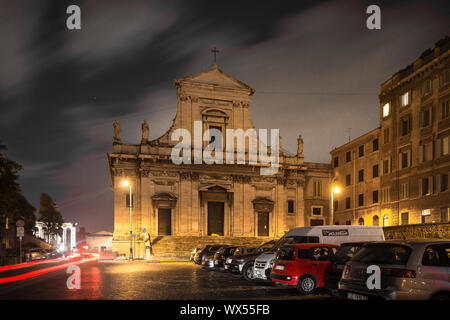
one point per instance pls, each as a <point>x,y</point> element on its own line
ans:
<point>140,280</point>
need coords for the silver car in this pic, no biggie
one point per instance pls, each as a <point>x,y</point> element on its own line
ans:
<point>413,270</point>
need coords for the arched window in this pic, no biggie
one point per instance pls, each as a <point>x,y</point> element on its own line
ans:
<point>361,221</point>
<point>385,220</point>
<point>376,221</point>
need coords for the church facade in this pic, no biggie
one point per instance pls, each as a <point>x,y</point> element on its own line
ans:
<point>201,200</point>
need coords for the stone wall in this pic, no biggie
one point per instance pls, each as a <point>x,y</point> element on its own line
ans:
<point>416,231</point>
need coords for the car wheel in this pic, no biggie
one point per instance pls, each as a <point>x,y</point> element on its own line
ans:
<point>441,296</point>
<point>307,284</point>
<point>247,271</point>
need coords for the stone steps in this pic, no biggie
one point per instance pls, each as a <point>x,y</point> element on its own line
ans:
<point>181,247</point>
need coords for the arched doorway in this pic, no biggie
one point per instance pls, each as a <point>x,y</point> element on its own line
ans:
<point>375,220</point>
<point>361,221</point>
<point>385,220</point>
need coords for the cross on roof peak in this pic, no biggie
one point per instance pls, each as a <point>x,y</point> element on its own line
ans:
<point>215,51</point>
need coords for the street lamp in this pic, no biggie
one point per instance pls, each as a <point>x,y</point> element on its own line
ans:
<point>126,183</point>
<point>334,190</point>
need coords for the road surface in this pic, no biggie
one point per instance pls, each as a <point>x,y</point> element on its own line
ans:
<point>137,280</point>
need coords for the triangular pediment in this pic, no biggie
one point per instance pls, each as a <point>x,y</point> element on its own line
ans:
<point>217,77</point>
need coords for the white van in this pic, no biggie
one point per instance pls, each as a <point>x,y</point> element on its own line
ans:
<point>317,234</point>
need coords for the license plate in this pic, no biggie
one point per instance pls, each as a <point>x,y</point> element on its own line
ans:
<point>354,296</point>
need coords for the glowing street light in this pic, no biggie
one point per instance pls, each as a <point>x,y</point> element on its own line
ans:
<point>334,190</point>
<point>126,183</point>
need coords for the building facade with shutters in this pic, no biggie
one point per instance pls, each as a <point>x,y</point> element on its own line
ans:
<point>412,157</point>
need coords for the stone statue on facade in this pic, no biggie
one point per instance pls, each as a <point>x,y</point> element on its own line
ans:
<point>117,131</point>
<point>299,146</point>
<point>145,132</point>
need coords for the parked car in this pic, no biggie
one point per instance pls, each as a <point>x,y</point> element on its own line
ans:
<point>243,250</point>
<point>208,259</point>
<point>414,269</point>
<point>193,252</point>
<point>316,234</point>
<point>343,254</point>
<point>35,254</point>
<point>222,254</point>
<point>243,263</point>
<point>210,248</point>
<point>303,265</point>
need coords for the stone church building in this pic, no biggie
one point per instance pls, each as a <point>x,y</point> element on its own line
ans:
<point>201,200</point>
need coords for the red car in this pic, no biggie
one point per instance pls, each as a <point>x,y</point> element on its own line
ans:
<point>303,265</point>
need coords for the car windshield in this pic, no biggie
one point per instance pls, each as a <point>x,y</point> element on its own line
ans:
<point>266,247</point>
<point>383,254</point>
<point>214,248</point>
<point>347,251</point>
<point>230,251</point>
<point>285,253</point>
<point>296,239</point>
<point>221,250</point>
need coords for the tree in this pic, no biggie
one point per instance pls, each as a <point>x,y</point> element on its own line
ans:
<point>50,216</point>
<point>13,205</point>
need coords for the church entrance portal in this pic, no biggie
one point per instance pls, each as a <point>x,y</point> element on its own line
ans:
<point>215,218</point>
<point>164,221</point>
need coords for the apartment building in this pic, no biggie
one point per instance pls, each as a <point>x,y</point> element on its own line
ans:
<point>405,180</point>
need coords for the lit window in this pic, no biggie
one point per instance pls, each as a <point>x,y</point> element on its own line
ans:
<point>444,146</point>
<point>426,215</point>
<point>405,99</point>
<point>386,110</point>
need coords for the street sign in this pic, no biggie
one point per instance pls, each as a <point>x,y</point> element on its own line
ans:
<point>20,232</point>
<point>20,223</point>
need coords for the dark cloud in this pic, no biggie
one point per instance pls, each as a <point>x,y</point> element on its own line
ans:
<point>312,61</point>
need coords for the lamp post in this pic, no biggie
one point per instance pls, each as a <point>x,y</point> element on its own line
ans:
<point>127,183</point>
<point>334,190</point>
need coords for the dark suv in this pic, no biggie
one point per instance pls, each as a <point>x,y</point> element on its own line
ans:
<point>243,263</point>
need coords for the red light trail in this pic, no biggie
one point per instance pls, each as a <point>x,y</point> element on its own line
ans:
<point>39,272</point>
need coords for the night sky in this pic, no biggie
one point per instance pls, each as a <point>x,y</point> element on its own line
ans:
<point>316,69</point>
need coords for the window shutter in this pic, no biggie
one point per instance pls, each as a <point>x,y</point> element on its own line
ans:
<point>420,187</point>
<point>420,119</point>
<point>437,150</point>
<point>421,147</point>
<point>438,183</point>
<point>432,186</point>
